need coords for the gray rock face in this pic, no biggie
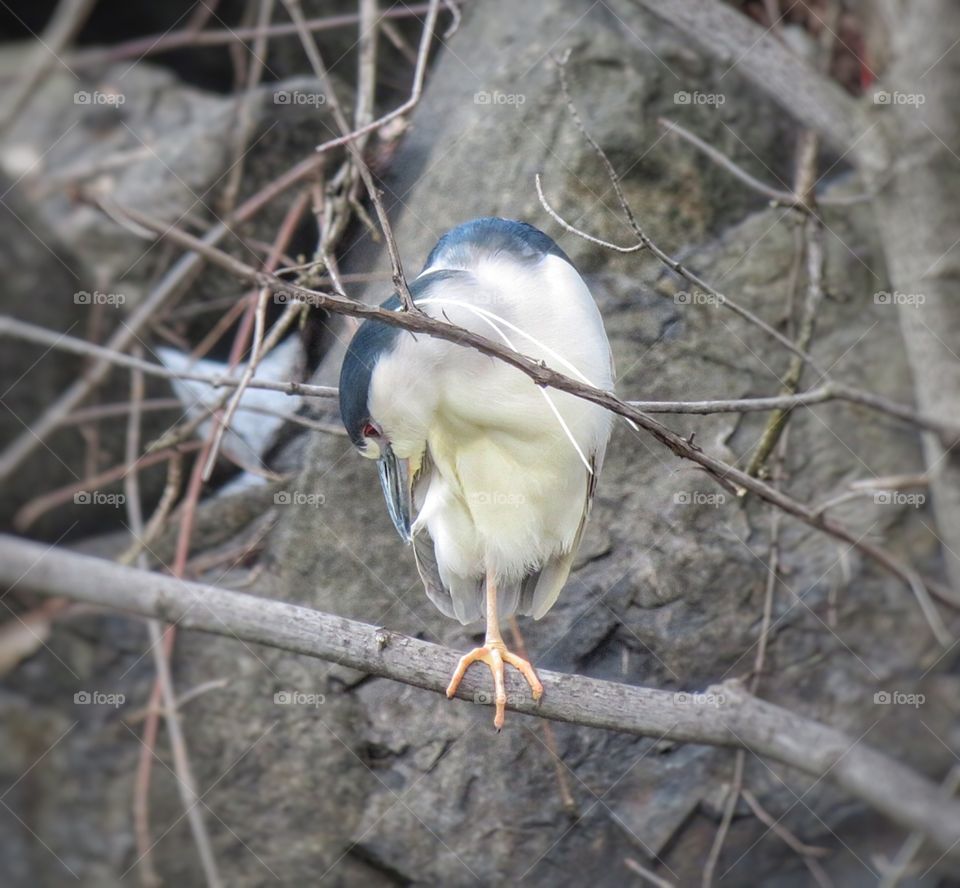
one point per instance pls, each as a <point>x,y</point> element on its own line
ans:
<point>381,784</point>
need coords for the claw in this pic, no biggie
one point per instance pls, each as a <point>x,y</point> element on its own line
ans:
<point>494,655</point>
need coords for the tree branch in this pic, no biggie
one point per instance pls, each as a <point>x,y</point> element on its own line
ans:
<point>727,717</point>
<point>831,391</point>
<point>417,322</point>
<point>757,55</point>
<point>66,21</point>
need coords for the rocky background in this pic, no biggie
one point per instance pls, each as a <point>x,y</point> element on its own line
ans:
<point>382,784</point>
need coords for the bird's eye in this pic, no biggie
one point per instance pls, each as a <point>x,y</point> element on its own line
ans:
<point>370,430</point>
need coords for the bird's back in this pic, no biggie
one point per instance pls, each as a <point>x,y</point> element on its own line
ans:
<point>463,246</point>
<point>520,289</point>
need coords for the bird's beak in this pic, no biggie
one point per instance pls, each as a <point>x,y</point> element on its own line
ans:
<point>396,490</point>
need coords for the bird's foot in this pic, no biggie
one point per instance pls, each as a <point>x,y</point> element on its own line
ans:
<point>494,654</point>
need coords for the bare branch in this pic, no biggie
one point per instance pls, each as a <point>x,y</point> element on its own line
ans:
<point>733,719</point>
<point>644,243</point>
<point>320,69</point>
<point>947,431</point>
<point>757,55</point>
<point>418,322</point>
<point>423,54</point>
<point>169,285</point>
<point>781,198</point>
<point>181,759</point>
<point>66,21</point>
<point>32,333</point>
<point>154,44</point>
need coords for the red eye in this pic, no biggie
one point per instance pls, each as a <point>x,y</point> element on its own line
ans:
<point>370,430</point>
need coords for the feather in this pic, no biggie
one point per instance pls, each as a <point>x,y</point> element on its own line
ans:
<point>545,586</point>
<point>458,597</point>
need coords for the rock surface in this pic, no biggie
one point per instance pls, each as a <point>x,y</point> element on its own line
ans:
<point>381,784</point>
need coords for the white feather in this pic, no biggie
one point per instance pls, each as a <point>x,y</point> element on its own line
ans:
<point>486,317</point>
<point>250,434</point>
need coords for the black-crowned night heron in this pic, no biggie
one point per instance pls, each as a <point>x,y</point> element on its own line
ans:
<point>498,472</point>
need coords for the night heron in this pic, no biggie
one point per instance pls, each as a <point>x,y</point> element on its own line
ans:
<point>497,473</point>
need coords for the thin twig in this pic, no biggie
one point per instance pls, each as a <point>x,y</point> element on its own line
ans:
<point>182,769</point>
<point>106,411</point>
<point>644,243</point>
<point>549,738</point>
<point>828,392</point>
<point>68,18</point>
<point>244,110</point>
<point>777,197</point>
<point>647,874</point>
<point>32,333</point>
<point>260,347</point>
<point>914,842</point>
<point>423,54</point>
<point>870,487</point>
<point>813,249</point>
<point>127,333</point>
<point>736,783</point>
<point>28,513</point>
<point>807,853</point>
<point>171,490</point>
<point>153,44</point>
<point>351,135</point>
<point>729,806</point>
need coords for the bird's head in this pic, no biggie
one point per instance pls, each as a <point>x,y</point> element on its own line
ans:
<point>385,404</point>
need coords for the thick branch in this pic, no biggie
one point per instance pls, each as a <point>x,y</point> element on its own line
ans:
<point>918,219</point>
<point>757,55</point>
<point>731,717</point>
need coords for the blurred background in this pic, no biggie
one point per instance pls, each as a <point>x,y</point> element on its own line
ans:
<point>799,157</point>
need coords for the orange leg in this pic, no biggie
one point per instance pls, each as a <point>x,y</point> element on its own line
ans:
<point>494,654</point>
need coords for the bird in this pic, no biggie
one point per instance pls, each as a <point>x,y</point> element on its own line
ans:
<point>489,476</point>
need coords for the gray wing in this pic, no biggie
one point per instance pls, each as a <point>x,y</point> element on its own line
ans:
<point>540,590</point>
<point>463,598</point>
